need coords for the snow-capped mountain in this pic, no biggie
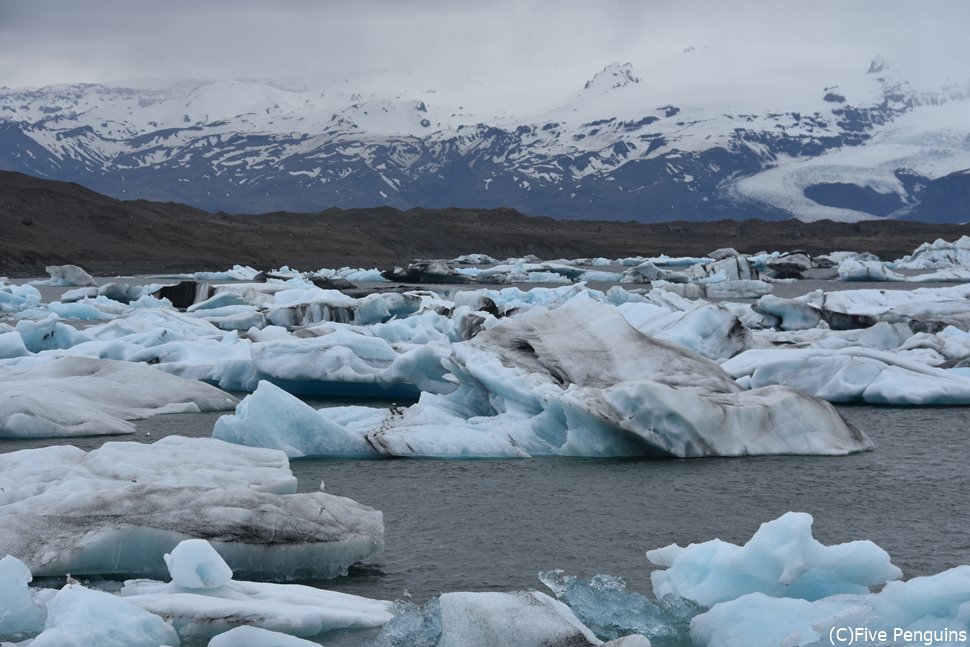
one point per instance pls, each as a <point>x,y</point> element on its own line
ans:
<point>677,143</point>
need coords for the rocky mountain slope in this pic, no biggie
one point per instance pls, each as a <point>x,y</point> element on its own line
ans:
<point>624,146</point>
<point>47,222</point>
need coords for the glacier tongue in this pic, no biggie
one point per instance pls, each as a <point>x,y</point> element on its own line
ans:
<point>119,508</point>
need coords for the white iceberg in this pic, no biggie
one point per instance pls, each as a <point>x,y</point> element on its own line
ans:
<point>82,396</point>
<point>781,559</point>
<point>20,614</point>
<point>67,275</point>
<point>247,636</point>
<point>492,619</point>
<point>929,610</point>
<point>80,617</point>
<point>119,508</point>
<point>850,374</point>
<point>202,600</point>
<point>851,269</point>
<point>937,255</point>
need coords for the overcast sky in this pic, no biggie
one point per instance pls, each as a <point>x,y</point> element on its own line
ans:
<point>561,42</point>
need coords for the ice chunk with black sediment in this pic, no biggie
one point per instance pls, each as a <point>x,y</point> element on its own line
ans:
<point>782,559</point>
<point>578,380</point>
<point>202,600</point>
<point>81,396</point>
<point>119,508</point>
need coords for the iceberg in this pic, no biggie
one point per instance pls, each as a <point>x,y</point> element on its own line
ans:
<point>202,600</point>
<point>247,636</point>
<point>81,617</point>
<point>490,619</point>
<point>83,396</point>
<point>851,374</point>
<point>605,606</point>
<point>937,255</point>
<point>928,610</point>
<point>117,509</point>
<point>851,269</point>
<point>576,380</point>
<point>782,559</point>
<point>68,275</point>
<point>20,614</point>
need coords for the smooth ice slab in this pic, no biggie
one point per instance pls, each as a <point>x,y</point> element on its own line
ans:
<point>202,599</point>
<point>120,508</point>
<point>851,374</point>
<point>83,396</point>
<point>247,636</point>
<point>782,559</point>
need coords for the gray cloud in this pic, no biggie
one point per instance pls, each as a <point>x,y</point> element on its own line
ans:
<point>559,43</point>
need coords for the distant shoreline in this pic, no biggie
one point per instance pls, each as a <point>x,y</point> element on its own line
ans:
<point>46,222</point>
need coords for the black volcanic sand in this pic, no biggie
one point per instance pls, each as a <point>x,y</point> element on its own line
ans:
<point>45,222</point>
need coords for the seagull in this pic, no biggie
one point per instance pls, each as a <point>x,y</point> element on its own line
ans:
<point>71,580</point>
<point>406,595</point>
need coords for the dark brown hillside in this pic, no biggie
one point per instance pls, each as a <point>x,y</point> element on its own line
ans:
<point>45,222</point>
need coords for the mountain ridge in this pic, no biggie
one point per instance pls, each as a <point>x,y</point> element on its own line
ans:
<point>616,149</point>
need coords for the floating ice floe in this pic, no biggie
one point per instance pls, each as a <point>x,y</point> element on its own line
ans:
<point>66,275</point>
<point>937,255</point>
<point>521,618</point>
<point>203,600</point>
<point>782,559</point>
<point>576,380</point>
<point>16,298</point>
<point>81,617</point>
<point>20,613</point>
<point>792,591</point>
<point>850,374</point>
<point>83,396</point>
<point>247,636</point>
<point>851,269</point>
<point>119,508</point>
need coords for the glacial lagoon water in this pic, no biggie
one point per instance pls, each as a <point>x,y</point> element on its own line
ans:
<point>492,525</point>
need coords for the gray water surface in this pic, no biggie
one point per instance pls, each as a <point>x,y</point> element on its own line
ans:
<point>492,525</point>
